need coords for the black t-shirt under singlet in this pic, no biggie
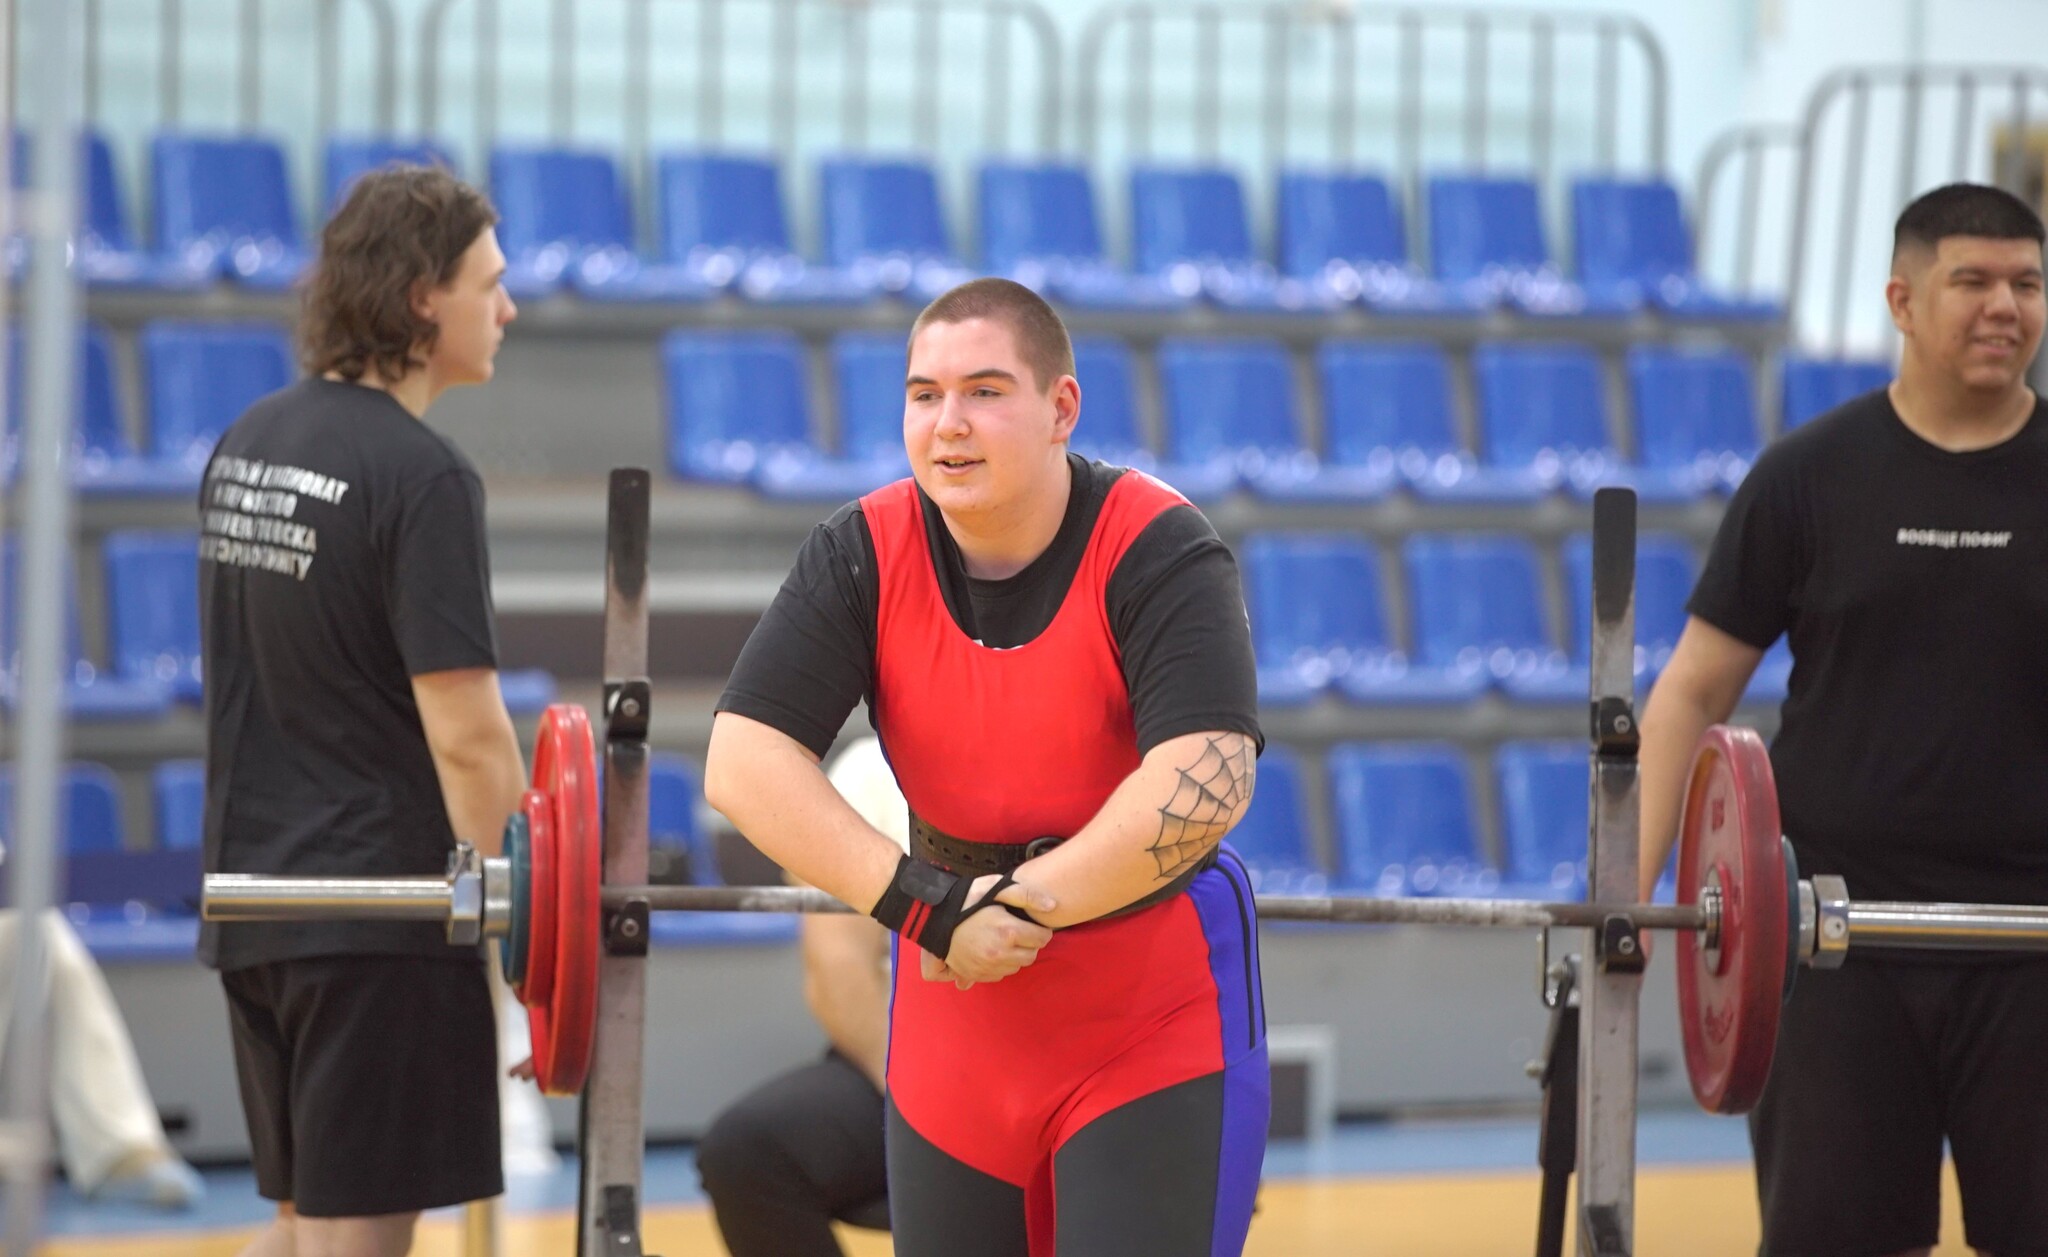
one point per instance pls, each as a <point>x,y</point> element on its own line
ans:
<point>1176,609</point>
<point>341,554</point>
<point>1913,755</point>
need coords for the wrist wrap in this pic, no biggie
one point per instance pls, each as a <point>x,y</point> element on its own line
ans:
<point>925,904</point>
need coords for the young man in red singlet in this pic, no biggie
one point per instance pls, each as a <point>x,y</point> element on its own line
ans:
<point>1055,655</point>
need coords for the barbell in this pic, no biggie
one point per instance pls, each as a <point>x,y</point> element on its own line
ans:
<point>1746,920</point>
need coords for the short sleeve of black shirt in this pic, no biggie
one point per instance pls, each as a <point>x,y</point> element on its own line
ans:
<point>1175,604</point>
<point>1750,584</point>
<point>811,657</point>
<point>438,574</point>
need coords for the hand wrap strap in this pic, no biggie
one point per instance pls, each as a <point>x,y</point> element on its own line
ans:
<point>925,904</point>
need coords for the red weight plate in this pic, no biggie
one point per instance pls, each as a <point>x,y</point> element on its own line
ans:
<point>538,981</point>
<point>1728,1000</point>
<point>565,768</point>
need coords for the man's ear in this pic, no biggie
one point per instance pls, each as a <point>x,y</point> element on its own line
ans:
<point>425,302</point>
<point>1066,406</point>
<point>1898,298</point>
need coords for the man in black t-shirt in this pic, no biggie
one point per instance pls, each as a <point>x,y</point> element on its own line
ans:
<point>1901,542</point>
<point>355,725</point>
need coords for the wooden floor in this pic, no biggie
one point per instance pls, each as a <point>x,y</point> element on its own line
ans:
<point>1680,1213</point>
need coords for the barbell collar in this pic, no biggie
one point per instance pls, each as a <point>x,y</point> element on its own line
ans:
<point>1831,921</point>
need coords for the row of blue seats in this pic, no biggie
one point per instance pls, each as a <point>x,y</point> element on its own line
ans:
<point>136,899</point>
<point>1477,623</point>
<point>1406,822</point>
<point>739,412</point>
<point>152,627</point>
<point>1477,618</point>
<point>223,206</point>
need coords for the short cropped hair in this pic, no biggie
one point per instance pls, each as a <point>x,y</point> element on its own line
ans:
<point>1041,338</point>
<point>403,228</point>
<point>1966,209</point>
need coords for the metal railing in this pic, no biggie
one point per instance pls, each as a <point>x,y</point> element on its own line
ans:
<point>1844,156</point>
<point>1310,69</point>
<point>1749,150</point>
<point>173,71</point>
<point>900,61</point>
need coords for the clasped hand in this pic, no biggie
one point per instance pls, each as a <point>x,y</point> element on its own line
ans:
<point>991,945</point>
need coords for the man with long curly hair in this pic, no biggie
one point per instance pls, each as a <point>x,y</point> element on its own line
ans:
<point>355,725</point>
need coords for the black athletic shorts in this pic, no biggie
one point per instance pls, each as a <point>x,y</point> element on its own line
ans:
<point>370,1083</point>
<point>1877,1062</point>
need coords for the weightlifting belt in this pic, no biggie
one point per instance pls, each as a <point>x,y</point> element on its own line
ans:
<point>957,855</point>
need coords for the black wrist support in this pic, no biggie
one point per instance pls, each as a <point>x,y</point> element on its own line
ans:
<point>925,904</point>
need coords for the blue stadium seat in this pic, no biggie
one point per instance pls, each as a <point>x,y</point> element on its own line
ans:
<point>1229,405</point>
<point>1665,572</point>
<point>1273,838</point>
<point>1695,414</point>
<point>881,220</point>
<point>200,377</point>
<point>1814,386</point>
<point>112,889</point>
<point>1543,416</point>
<point>108,255</point>
<point>349,158</point>
<point>1476,600</point>
<point>720,216</point>
<point>1772,680</point>
<point>91,693</point>
<point>178,793</point>
<point>672,794</point>
<point>567,219</point>
<point>153,609</point>
<point>1405,822</point>
<point>1038,226</point>
<point>1108,429</point>
<point>867,370</point>
<point>673,790</point>
<point>736,400</point>
<point>1387,416</point>
<point>1314,603</point>
<point>230,197</point>
<point>1344,233</point>
<point>1631,233</point>
<point>1189,228</point>
<point>104,462</point>
<point>1544,819</point>
<point>1489,231</point>
<point>1109,422</point>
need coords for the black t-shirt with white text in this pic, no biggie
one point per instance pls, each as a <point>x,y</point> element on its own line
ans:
<point>1913,582</point>
<point>342,553</point>
<point>1175,605</point>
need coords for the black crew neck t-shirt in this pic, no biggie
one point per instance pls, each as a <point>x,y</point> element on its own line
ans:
<point>1175,603</point>
<point>341,554</point>
<point>1913,755</point>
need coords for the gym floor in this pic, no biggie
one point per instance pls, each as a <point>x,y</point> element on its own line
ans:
<point>1449,1188</point>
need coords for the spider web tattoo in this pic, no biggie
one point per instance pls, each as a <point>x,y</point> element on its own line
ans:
<point>1206,799</point>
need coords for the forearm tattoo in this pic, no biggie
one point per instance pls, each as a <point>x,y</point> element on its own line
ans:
<point>1207,799</point>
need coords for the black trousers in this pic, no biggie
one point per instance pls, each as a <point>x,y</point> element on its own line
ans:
<point>1880,1062</point>
<point>794,1155</point>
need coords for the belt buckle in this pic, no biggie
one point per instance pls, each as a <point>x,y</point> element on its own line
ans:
<point>1039,846</point>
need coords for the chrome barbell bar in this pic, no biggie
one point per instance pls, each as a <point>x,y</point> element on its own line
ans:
<point>474,900</point>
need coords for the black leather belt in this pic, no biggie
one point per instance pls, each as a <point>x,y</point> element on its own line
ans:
<point>957,855</point>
